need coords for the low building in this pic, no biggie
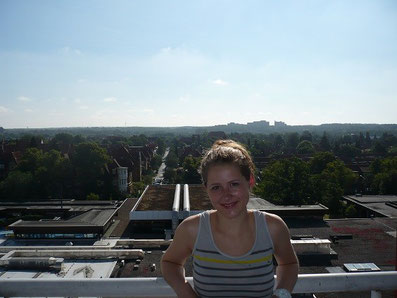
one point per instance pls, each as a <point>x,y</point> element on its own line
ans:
<point>374,205</point>
<point>161,208</point>
<point>67,219</point>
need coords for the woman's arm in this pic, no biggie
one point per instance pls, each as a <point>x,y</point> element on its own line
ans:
<point>288,266</point>
<point>173,261</point>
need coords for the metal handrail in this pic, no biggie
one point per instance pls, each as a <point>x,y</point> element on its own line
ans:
<point>157,287</point>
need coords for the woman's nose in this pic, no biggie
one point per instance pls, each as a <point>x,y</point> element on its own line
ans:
<point>226,191</point>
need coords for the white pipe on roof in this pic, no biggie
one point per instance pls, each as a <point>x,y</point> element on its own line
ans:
<point>186,198</point>
<point>175,207</point>
<point>177,198</point>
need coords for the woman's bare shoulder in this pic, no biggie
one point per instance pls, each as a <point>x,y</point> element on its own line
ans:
<point>186,233</point>
<point>190,224</point>
<point>275,223</point>
<point>188,229</point>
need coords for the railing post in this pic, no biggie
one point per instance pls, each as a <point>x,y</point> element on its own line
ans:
<point>376,294</point>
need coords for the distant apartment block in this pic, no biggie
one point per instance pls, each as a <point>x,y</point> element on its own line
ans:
<point>259,124</point>
<point>279,124</point>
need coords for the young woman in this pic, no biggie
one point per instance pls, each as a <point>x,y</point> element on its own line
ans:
<point>232,247</point>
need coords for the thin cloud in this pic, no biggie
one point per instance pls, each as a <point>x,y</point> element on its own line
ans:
<point>110,99</point>
<point>220,82</point>
<point>184,99</point>
<point>83,107</point>
<point>28,110</point>
<point>3,109</point>
<point>68,50</point>
<point>24,98</point>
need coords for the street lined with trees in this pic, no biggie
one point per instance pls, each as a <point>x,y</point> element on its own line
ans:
<point>299,168</point>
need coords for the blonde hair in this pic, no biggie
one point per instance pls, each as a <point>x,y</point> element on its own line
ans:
<point>227,151</point>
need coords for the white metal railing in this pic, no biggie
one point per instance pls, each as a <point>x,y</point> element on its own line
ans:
<point>157,287</point>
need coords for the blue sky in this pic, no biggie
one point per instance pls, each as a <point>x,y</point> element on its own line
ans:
<point>175,63</point>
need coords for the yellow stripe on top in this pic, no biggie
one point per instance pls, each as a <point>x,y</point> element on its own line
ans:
<point>264,259</point>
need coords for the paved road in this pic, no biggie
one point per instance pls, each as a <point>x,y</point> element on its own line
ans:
<point>160,173</point>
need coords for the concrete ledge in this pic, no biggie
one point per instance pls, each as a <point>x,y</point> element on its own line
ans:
<point>157,287</point>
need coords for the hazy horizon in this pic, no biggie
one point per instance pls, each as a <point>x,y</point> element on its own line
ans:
<point>203,63</point>
<point>181,126</point>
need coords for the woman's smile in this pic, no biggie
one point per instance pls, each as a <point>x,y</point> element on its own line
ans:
<point>229,205</point>
<point>228,189</point>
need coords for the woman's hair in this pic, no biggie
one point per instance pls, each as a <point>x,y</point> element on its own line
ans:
<point>227,151</point>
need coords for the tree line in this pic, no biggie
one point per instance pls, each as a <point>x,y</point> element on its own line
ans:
<point>81,174</point>
<point>303,168</point>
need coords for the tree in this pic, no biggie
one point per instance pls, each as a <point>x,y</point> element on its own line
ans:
<point>138,140</point>
<point>368,141</point>
<point>306,136</point>
<point>320,161</point>
<point>385,176</point>
<point>332,198</point>
<point>351,211</point>
<point>261,148</point>
<point>17,186</point>
<point>137,188</point>
<point>348,151</point>
<point>292,142</point>
<point>92,197</point>
<point>388,139</point>
<point>63,138</point>
<point>324,143</point>
<point>89,161</point>
<point>50,172</point>
<point>190,167</point>
<point>161,146</point>
<point>172,160</point>
<point>170,175</point>
<point>278,143</point>
<point>30,160</point>
<point>156,162</point>
<point>330,184</point>
<point>305,147</point>
<point>342,175</point>
<point>360,142</point>
<point>77,139</point>
<point>285,182</point>
<point>379,148</point>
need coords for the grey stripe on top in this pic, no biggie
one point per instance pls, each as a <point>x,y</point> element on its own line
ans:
<point>216,274</point>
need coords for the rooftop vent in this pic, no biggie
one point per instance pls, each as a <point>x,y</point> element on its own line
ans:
<point>310,246</point>
<point>361,267</point>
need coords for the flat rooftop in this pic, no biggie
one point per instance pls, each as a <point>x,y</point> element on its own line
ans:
<point>122,220</point>
<point>381,204</point>
<point>199,199</point>
<point>70,269</point>
<point>67,205</point>
<point>161,198</point>
<point>88,218</point>
<point>157,198</point>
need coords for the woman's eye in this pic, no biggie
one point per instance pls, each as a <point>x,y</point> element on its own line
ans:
<point>214,188</point>
<point>235,184</point>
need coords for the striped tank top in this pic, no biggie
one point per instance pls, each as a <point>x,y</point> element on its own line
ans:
<point>216,274</point>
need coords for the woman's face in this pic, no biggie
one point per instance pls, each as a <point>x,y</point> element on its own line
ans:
<point>228,189</point>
